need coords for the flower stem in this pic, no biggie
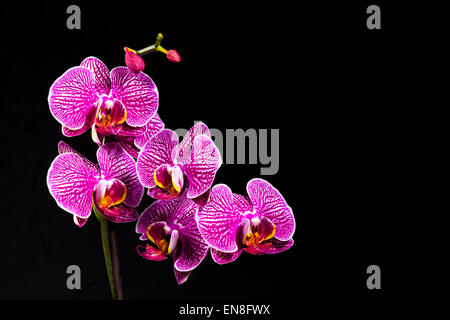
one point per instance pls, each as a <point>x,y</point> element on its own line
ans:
<point>154,47</point>
<point>110,253</point>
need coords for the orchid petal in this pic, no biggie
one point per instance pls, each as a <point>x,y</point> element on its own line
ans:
<point>219,219</point>
<point>203,198</point>
<point>204,162</point>
<point>161,149</point>
<point>118,214</point>
<point>89,122</point>
<point>279,246</point>
<point>102,78</point>
<point>180,210</point>
<point>65,148</point>
<point>128,145</point>
<point>225,257</point>
<point>181,276</point>
<point>193,248</point>
<point>137,92</point>
<point>268,202</point>
<point>129,131</point>
<point>242,203</point>
<point>154,126</point>
<point>72,96</point>
<point>71,182</point>
<point>114,162</point>
<point>185,149</point>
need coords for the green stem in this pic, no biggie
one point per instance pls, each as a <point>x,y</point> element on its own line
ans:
<point>106,251</point>
<point>154,47</point>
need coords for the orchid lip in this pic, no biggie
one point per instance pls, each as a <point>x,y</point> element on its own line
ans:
<point>256,232</point>
<point>169,179</point>
<point>165,237</point>
<point>109,193</point>
<point>111,114</point>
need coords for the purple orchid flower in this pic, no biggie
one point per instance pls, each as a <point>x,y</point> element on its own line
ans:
<point>77,184</point>
<point>168,168</point>
<point>230,223</point>
<point>170,226</point>
<point>118,103</point>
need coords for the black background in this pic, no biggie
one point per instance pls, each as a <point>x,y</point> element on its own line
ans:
<point>315,72</point>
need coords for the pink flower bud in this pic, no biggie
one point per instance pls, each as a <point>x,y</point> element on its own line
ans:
<point>134,62</point>
<point>173,56</point>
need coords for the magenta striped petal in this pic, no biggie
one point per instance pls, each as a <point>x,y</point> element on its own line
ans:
<point>219,219</point>
<point>65,148</point>
<point>137,92</point>
<point>193,248</point>
<point>180,210</point>
<point>279,246</point>
<point>242,203</point>
<point>185,149</point>
<point>114,162</point>
<point>102,79</point>
<point>204,162</point>
<point>268,202</point>
<point>89,122</point>
<point>118,214</point>
<point>225,257</point>
<point>154,126</point>
<point>157,211</point>
<point>72,96</point>
<point>129,131</point>
<point>71,182</point>
<point>181,276</point>
<point>128,145</point>
<point>161,149</point>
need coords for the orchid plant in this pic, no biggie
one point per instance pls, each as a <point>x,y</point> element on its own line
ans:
<point>190,217</point>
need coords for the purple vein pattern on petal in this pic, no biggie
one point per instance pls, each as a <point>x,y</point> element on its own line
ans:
<point>161,149</point>
<point>279,246</point>
<point>89,122</point>
<point>242,203</point>
<point>114,162</point>
<point>185,148</point>
<point>71,182</point>
<point>128,145</point>
<point>268,202</point>
<point>102,79</point>
<point>179,210</point>
<point>129,131</point>
<point>160,210</point>
<point>154,126</point>
<point>219,219</point>
<point>204,162</point>
<point>65,148</point>
<point>72,96</point>
<point>137,92</point>
<point>225,257</point>
<point>193,248</point>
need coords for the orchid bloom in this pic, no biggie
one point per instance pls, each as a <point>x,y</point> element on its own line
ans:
<point>168,168</point>
<point>119,103</point>
<point>113,187</point>
<point>261,223</point>
<point>171,228</point>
